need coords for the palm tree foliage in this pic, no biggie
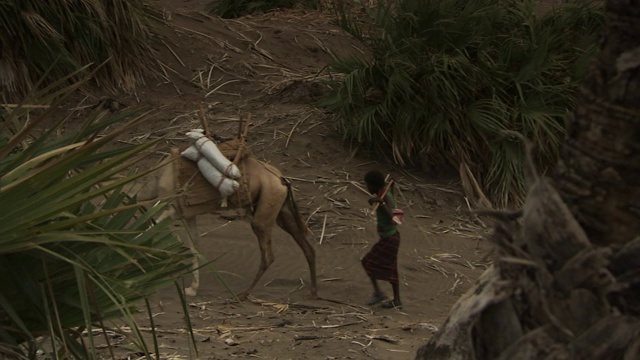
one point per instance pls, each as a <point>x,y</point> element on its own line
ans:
<point>229,9</point>
<point>446,77</point>
<point>75,249</point>
<point>35,34</point>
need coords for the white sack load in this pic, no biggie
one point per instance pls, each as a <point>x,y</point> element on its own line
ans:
<point>224,185</point>
<point>209,149</point>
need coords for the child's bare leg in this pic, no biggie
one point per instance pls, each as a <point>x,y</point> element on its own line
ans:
<point>377,296</point>
<point>376,288</point>
<point>395,303</point>
<point>396,293</point>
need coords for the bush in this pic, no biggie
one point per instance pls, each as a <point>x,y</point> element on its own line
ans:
<point>49,39</point>
<point>75,249</point>
<point>447,77</point>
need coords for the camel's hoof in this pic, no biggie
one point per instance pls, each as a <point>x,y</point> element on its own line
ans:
<point>190,291</point>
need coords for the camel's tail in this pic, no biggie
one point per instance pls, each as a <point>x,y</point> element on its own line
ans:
<point>294,208</point>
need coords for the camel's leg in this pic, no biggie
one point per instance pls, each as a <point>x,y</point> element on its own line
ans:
<point>192,242</point>
<point>263,233</point>
<point>288,221</point>
<point>262,225</point>
<point>166,188</point>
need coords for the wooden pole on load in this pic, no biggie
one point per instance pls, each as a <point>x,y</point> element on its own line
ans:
<point>240,122</point>
<point>203,122</point>
<point>242,136</point>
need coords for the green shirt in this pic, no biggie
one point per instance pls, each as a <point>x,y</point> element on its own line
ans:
<point>385,225</point>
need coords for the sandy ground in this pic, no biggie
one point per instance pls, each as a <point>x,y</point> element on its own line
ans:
<point>265,65</point>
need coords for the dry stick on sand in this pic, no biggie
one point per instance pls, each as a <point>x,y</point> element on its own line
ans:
<point>286,145</point>
<point>220,43</point>
<point>24,106</point>
<point>329,181</point>
<point>309,337</point>
<point>222,328</point>
<point>209,77</point>
<point>313,213</point>
<point>254,44</point>
<point>163,67</point>
<point>221,85</point>
<point>174,53</point>
<point>324,226</point>
<point>383,338</point>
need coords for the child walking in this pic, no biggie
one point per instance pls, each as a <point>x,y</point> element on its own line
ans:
<point>381,262</point>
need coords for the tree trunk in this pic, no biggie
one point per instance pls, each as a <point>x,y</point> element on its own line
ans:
<point>599,174</point>
<point>566,281</point>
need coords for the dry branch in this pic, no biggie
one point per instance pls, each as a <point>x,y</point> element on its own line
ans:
<point>221,85</point>
<point>383,338</point>
<point>174,53</point>
<point>324,225</point>
<point>309,337</point>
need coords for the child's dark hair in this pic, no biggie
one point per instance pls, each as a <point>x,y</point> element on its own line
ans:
<point>375,178</point>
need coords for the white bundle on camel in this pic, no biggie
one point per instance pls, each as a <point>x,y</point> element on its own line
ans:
<point>214,166</point>
<point>210,151</point>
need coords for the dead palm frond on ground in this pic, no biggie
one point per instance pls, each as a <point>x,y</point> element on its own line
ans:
<point>76,251</point>
<point>446,78</point>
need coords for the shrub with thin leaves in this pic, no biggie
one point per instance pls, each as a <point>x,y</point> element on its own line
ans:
<point>53,38</point>
<point>75,249</point>
<point>446,78</point>
<point>229,9</point>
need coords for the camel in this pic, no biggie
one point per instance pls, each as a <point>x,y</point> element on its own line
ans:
<point>265,195</point>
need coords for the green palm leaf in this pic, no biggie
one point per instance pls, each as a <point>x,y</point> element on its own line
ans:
<point>75,250</point>
<point>447,77</point>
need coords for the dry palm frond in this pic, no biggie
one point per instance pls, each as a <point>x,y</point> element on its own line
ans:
<point>56,37</point>
<point>40,28</point>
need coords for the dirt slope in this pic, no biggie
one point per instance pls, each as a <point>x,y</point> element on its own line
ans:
<point>266,65</point>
